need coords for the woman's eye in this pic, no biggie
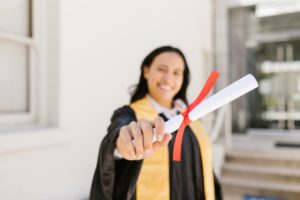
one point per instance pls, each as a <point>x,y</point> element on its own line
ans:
<point>177,73</point>
<point>161,69</point>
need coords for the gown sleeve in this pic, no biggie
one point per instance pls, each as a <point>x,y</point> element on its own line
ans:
<point>115,178</point>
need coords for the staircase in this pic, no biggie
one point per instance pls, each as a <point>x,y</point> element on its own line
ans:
<point>264,174</point>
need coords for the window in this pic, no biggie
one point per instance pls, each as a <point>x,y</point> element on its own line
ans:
<point>23,79</point>
<point>18,59</point>
<point>264,39</point>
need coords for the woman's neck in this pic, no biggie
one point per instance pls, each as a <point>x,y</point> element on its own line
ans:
<point>166,104</point>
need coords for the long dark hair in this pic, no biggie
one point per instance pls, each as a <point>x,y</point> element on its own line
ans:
<point>141,89</point>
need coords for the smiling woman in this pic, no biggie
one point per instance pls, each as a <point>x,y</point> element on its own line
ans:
<point>145,170</point>
<point>164,59</point>
<point>165,77</point>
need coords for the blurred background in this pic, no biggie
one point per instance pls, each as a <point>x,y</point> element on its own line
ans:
<point>66,65</point>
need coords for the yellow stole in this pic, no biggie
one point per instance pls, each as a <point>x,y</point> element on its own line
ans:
<point>153,181</point>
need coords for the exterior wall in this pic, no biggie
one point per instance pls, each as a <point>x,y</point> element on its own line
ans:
<point>101,45</point>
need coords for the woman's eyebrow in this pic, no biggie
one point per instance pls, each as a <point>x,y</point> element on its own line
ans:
<point>179,70</point>
<point>162,65</point>
<point>166,66</point>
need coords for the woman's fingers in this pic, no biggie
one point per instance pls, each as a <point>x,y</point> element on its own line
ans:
<point>135,141</point>
<point>166,139</point>
<point>138,139</point>
<point>159,128</point>
<point>147,130</point>
<point>123,150</point>
<point>125,145</point>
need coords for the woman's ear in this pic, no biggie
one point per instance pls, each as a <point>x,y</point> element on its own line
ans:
<point>146,72</point>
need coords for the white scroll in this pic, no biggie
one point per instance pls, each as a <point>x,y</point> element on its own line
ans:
<point>226,95</point>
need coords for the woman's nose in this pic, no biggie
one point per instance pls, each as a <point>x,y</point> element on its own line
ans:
<point>168,78</point>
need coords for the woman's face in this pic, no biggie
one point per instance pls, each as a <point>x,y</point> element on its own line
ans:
<point>164,77</point>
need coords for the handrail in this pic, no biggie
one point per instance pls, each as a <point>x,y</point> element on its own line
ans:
<point>218,124</point>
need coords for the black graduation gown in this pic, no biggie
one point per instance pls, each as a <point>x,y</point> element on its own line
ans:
<point>116,179</point>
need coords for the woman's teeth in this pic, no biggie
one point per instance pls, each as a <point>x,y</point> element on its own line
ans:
<point>165,87</point>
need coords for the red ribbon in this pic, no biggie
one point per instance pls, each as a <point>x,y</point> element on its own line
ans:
<point>186,120</point>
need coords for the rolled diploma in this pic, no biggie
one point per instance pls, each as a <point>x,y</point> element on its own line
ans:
<point>226,95</point>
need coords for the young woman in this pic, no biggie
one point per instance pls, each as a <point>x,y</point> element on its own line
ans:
<point>145,170</point>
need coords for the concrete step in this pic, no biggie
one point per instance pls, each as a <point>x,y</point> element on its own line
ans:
<point>275,158</point>
<point>237,188</point>
<point>261,173</point>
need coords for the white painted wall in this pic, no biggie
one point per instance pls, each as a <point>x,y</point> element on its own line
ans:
<point>101,46</point>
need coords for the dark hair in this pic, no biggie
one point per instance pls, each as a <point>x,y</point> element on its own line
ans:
<point>141,89</point>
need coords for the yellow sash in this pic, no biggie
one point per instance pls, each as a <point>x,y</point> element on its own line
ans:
<point>153,181</point>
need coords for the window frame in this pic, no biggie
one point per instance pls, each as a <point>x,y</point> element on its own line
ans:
<point>36,70</point>
<point>41,128</point>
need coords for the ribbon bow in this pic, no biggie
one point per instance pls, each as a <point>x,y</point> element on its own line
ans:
<point>186,120</point>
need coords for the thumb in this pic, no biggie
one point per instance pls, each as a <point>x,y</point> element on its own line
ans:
<point>158,145</point>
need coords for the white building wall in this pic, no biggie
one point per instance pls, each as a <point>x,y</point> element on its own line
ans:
<point>101,46</point>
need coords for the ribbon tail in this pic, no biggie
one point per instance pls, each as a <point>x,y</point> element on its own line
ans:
<point>204,92</point>
<point>178,144</point>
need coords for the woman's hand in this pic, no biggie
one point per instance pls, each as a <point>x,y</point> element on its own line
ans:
<point>142,134</point>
